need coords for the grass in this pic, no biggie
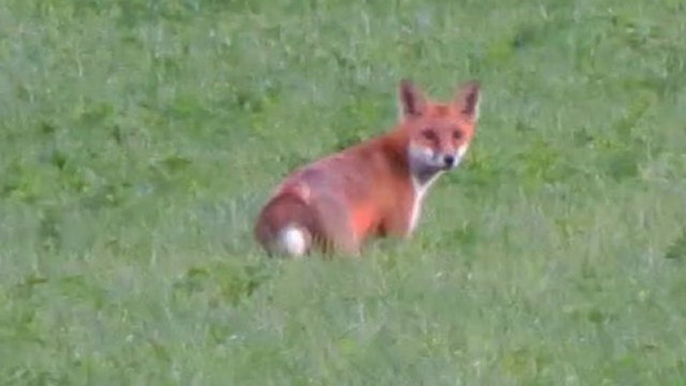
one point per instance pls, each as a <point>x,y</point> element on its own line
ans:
<point>138,140</point>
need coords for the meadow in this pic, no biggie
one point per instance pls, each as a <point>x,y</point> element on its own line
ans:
<point>139,139</point>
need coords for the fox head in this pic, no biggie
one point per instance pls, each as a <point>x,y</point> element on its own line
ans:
<point>439,133</point>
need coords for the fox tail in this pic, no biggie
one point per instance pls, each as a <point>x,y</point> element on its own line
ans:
<point>285,225</point>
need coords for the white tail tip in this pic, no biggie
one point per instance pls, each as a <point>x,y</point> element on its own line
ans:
<point>292,241</point>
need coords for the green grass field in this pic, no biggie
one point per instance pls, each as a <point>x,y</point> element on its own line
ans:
<point>139,138</point>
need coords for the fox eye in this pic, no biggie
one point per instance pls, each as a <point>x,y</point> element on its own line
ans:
<point>428,134</point>
<point>457,134</point>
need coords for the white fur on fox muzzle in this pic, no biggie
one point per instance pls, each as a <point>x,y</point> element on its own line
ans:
<point>459,155</point>
<point>452,161</point>
<point>423,158</point>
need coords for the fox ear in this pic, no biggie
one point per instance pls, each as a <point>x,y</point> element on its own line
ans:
<point>467,100</point>
<point>412,100</point>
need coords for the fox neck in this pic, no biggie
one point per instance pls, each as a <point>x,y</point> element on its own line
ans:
<point>423,176</point>
<point>422,167</point>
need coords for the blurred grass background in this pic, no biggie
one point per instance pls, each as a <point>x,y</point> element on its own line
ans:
<point>139,138</point>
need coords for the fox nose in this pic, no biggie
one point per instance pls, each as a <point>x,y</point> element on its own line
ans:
<point>449,160</point>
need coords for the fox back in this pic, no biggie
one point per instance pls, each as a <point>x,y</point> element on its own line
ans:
<point>374,188</point>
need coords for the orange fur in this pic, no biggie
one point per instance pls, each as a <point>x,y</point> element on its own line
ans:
<point>374,188</point>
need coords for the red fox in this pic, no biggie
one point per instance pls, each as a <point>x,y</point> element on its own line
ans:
<point>374,188</point>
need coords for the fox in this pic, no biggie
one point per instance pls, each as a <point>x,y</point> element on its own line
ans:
<point>374,188</point>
